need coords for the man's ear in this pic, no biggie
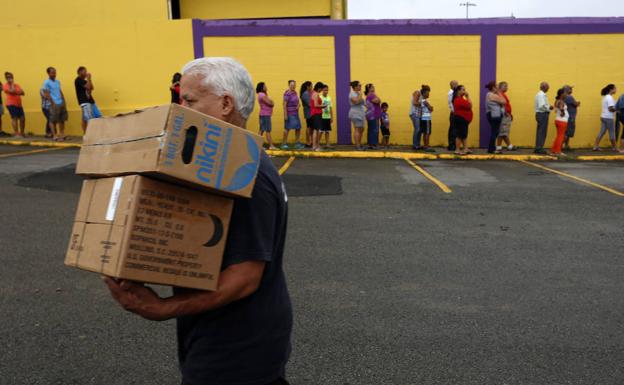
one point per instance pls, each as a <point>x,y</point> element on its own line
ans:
<point>227,105</point>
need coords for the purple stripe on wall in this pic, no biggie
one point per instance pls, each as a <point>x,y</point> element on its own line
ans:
<point>342,53</point>
<point>488,29</point>
<point>487,73</point>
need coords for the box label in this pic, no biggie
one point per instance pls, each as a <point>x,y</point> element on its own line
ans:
<point>114,199</point>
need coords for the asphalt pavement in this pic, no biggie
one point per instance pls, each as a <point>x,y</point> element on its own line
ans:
<point>514,277</point>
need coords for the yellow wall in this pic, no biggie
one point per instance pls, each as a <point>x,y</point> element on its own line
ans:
<point>275,60</point>
<point>398,65</point>
<point>64,12</point>
<point>252,9</point>
<point>589,62</point>
<point>132,64</point>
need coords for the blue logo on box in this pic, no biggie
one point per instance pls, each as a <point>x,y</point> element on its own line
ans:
<point>209,171</point>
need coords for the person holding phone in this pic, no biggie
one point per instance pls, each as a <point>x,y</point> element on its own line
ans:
<point>175,88</point>
<point>462,117</point>
<point>14,95</point>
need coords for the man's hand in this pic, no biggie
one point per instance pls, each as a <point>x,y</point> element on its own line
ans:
<point>138,299</point>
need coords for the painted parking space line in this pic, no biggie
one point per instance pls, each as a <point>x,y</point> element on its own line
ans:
<point>573,177</point>
<point>283,169</point>
<point>427,175</point>
<point>19,153</point>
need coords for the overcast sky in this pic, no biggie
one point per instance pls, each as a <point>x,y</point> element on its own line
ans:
<point>450,9</point>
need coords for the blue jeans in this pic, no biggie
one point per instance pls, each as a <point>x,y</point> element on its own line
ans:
<point>495,124</point>
<point>417,133</point>
<point>373,132</point>
<point>46,113</point>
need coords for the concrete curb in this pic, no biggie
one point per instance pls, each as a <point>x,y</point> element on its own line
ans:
<point>366,154</point>
<point>40,144</point>
<point>403,155</point>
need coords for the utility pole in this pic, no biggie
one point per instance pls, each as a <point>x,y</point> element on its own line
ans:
<point>467,4</point>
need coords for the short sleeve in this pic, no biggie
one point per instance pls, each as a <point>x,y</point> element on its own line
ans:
<point>610,101</point>
<point>253,225</point>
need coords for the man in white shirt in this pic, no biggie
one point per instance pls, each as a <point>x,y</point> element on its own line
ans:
<point>542,111</point>
<point>451,130</point>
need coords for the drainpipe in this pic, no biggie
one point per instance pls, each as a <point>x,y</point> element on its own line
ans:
<point>338,9</point>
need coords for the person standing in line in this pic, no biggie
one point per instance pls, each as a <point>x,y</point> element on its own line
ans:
<point>304,95</point>
<point>58,107</point>
<point>45,108</point>
<point>415,115</point>
<point>316,115</point>
<point>462,117</point>
<point>266,110</point>
<point>542,112</point>
<point>573,105</point>
<point>495,110</point>
<point>357,113</point>
<point>175,88</point>
<point>385,126</point>
<point>451,131</point>
<point>607,117</point>
<point>619,120</point>
<point>561,121</point>
<point>84,94</point>
<point>373,114</point>
<point>291,116</point>
<point>14,95</point>
<point>425,117</point>
<point>327,115</point>
<point>505,129</point>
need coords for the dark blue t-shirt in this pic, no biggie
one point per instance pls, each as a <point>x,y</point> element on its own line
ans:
<point>571,102</point>
<point>246,342</point>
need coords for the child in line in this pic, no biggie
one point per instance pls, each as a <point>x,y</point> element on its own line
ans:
<point>385,126</point>
<point>425,117</point>
<point>328,115</point>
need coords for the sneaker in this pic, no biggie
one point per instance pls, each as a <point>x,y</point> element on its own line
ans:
<point>284,146</point>
<point>299,146</point>
<point>272,148</point>
<point>429,149</point>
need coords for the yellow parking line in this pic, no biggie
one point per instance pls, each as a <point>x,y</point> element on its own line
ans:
<point>433,179</point>
<point>576,178</point>
<point>283,169</point>
<point>30,152</point>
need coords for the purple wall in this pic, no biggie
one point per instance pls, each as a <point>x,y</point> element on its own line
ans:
<point>488,29</point>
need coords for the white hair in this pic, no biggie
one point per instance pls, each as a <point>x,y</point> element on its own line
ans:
<point>225,76</point>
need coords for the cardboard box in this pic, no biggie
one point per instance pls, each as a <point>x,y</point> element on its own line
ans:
<point>141,229</point>
<point>174,143</point>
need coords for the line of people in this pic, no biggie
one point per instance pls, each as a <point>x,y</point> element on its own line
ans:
<point>53,103</point>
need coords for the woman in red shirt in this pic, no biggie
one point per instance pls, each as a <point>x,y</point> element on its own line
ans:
<point>462,116</point>
<point>316,110</point>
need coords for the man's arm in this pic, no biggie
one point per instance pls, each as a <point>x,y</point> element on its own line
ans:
<point>89,83</point>
<point>235,283</point>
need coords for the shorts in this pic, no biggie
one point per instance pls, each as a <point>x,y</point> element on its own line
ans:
<point>461,127</point>
<point>58,113</point>
<point>90,111</point>
<point>505,127</point>
<point>1,109</point>
<point>16,112</point>
<point>317,122</point>
<point>385,131</point>
<point>309,122</point>
<point>265,124</point>
<point>292,122</point>
<point>425,127</point>
<point>571,127</point>
<point>326,125</point>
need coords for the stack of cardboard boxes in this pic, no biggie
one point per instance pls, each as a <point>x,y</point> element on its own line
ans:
<point>157,202</point>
